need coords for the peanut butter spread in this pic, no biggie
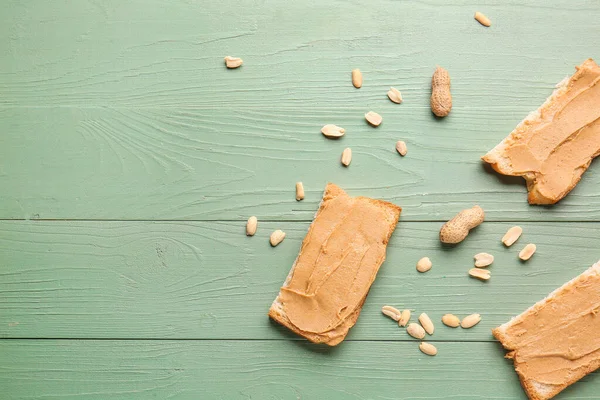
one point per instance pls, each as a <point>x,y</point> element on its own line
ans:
<point>553,147</point>
<point>337,263</point>
<point>557,341</point>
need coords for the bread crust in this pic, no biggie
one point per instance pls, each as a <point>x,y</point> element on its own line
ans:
<point>502,164</point>
<point>534,389</point>
<point>277,310</point>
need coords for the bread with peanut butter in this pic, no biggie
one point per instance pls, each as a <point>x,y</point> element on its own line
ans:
<point>326,288</point>
<point>556,342</point>
<point>554,145</point>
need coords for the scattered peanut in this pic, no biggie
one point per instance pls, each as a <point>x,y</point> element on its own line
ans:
<point>233,62</point>
<point>426,323</point>
<point>373,118</point>
<point>482,274</point>
<point>512,235</point>
<point>428,348</point>
<point>441,99</point>
<point>277,237</point>
<point>394,95</point>
<point>251,226</point>
<point>415,330</point>
<point>483,260</point>
<point>527,252</point>
<point>455,230</point>
<point>299,191</point>
<point>332,131</point>
<point>470,321</point>
<point>404,318</point>
<point>401,148</point>
<point>347,156</point>
<point>451,320</point>
<point>391,312</point>
<point>424,264</point>
<point>357,78</point>
<point>482,19</point>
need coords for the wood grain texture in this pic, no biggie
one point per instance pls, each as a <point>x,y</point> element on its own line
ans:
<point>208,280</point>
<point>204,164</point>
<point>185,370</point>
<point>151,53</point>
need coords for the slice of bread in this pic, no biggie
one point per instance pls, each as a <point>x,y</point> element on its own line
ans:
<point>556,315</point>
<point>540,192</point>
<point>337,333</point>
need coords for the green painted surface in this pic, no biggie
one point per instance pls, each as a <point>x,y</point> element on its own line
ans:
<point>130,158</point>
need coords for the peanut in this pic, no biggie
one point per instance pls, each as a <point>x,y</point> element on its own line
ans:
<point>512,235</point>
<point>346,156</point>
<point>394,95</point>
<point>401,148</point>
<point>424,264</point>
<point>483,260</point>
<point>415,330</point>
<point>299,191</point>
<point>451,320</point>
<point>426,323</point>
<point>391,312</point>
<point>357,78</point>
<point>251,226</point>
<point>373,118</point>
<point>428,348</point>
<point>233,62</point>
<point>457,229</point>
<point>527,252</point>
<point>470,321</point>
<point>441,99</point>
<point>277,237</point>
<point>332,131</point>
<point>482,19</point>
<point>482,274</point>
<point>404,318</point>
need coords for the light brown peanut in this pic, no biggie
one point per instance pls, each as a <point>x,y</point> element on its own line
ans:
<point>482,19</point>
<point>428,348</point>
<point>391,312</point>
<point>251,226</point>
<point>404,318</point>
<point>299,191</point>
<point>277,237</point>
<point>482,274</point>
<point>457,229</point>
<point>332,131</point>
<point>441,99</point>
<point>527,252</point>
<point>470,321</point>
<point>233,62</point>
<point>394,95</point>
<point>483,260</point>
<point>424,264</point>
<point>357,78</point>
<point>415,330</point>
<point>373,118</point>
<point>512,235</point>
<point>426,323</point>
<point>347,156</point>
<point>451,320</point>
<point>401,148</point>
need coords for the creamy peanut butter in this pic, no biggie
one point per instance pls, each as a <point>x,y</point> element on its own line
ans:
<point>553,147</point>
<point>557,341</point>
<point>337,263</point>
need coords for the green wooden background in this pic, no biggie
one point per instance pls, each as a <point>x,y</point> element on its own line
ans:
<point>130,159</point>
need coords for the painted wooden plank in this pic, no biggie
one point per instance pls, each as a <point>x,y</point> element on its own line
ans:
<point>62,279</point>
<point>151,53</point>
<point>228,164</point>
<point>50,369</point>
